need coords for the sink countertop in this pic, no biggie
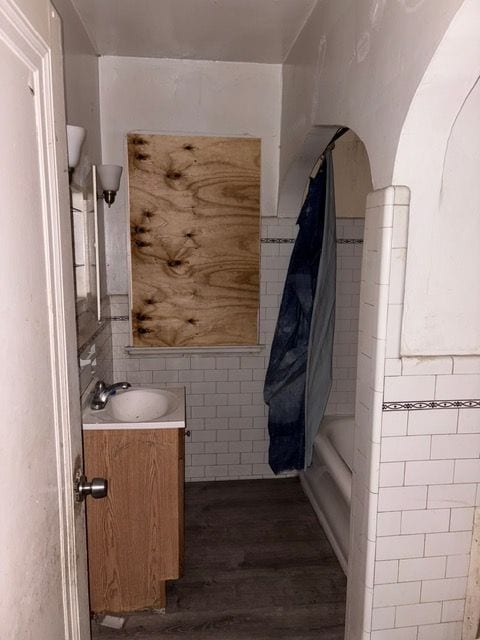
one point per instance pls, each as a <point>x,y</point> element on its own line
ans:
<point>100,420</point>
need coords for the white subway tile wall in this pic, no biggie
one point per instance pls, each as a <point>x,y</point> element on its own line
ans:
<point>436,530</point>
<point>349,264</point>
<point>96,357</point>
<point>226,415</point>
<point>369,561</point>
<point>429,468</point>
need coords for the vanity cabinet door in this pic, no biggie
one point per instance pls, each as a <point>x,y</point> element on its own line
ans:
<point>135,534</point>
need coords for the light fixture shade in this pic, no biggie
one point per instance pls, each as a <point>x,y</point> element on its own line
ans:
<point>109,175</point>
<point>75,138</point>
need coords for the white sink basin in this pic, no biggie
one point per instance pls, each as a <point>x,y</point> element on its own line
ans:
<point>139,408</point>
<point>140,405</point>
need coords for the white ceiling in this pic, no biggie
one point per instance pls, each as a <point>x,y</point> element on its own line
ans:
<point>228,30</point>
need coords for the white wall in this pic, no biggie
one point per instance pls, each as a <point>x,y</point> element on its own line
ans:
<point>358,63</point>
<point>438,159</point>
<point>444,296</point>
<point>397,73</point>
<point>299,73</point>
<point>184,96</point>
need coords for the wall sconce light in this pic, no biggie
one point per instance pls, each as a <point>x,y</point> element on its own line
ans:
<point>109,175</point>
<point>75,138</point>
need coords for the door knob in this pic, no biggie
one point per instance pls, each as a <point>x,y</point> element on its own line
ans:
<point>97,488</point>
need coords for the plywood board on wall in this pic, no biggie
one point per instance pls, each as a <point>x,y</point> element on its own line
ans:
<point>194,216</point>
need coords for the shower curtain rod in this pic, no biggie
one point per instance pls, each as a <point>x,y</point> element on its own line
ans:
<point>330,147</point>
<point>339,133</point>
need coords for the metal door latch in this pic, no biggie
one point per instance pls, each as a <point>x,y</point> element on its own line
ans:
<point>97,488</point>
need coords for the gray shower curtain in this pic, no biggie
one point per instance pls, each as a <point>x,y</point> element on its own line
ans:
<point>320,344</point>
<point>298,378</point>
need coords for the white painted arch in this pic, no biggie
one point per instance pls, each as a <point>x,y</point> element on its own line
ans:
<point>353,178</point>
<point>439,152</point>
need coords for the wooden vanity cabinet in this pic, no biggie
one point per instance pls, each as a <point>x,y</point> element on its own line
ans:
<point>135,534</point>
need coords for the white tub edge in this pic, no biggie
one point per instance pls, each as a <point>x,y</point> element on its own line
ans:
<point>323,521</point>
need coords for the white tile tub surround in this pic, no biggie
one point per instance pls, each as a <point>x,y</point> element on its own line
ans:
<point>226,415</point>
<point>349,263</point>
<point>363,575</point>
<point>418,485</point>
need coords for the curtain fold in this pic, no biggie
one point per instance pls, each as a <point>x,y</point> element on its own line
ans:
<point>286,378</point>
<point>320,350</point>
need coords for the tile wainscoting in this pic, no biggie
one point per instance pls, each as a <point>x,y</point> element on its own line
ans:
<point>417,460</point>
<point>349,263</point>
<point>428,488</point>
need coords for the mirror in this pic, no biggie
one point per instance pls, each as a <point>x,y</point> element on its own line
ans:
<point>85,251</point>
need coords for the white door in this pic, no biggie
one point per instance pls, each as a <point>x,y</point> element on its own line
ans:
<point>43,588</point>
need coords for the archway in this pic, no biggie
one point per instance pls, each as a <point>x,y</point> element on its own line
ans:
<point>438,154</point>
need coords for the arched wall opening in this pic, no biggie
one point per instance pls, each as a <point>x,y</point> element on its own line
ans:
<point>353,182</point>
<point>328,481</point>
<point>438,158</point>
<point>353,177</point>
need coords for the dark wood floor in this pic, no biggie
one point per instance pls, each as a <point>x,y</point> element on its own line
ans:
<point>257,567</point>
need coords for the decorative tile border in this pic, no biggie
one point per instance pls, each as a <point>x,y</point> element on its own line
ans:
<point>118,318</point>
<point>425,405</point>
<point>292,240</point>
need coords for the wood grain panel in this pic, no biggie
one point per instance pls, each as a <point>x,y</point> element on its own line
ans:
<point>135,535</point>
<point>195,215</point>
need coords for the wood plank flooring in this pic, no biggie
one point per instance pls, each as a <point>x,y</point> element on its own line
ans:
<point>257,567</point>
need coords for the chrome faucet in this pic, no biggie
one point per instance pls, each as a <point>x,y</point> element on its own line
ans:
<point>103,391</point>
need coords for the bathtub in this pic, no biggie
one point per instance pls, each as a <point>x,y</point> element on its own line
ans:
<point>328,481</point>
